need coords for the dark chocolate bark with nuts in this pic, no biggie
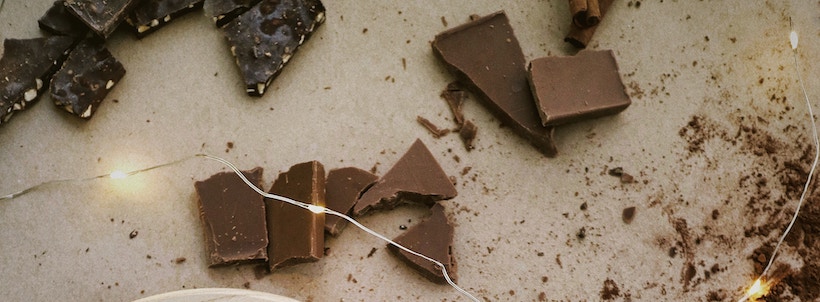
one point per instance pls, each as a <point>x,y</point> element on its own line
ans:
<point>150,15</point>
<point>58,21</point>
<point>87,76</point>
<point>224,11</point>
<point>101,16</point>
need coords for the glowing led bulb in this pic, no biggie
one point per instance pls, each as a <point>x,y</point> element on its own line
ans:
<point>793,39</point>
<point>315,209</point>
<point>756,290</point>
<point>118,175</point>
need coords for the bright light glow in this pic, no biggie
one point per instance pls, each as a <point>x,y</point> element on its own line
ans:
<point>316,209</point>
<point>755,289</point>
<point>118,175</point>
<point>793,39</point>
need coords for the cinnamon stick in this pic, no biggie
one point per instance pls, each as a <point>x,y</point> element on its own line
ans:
<point>585,13</point>
<point>580,37</point>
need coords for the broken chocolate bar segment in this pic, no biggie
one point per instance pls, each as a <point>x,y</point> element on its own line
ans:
<point>87,76</point>
<point>485,54</point>
<point>233,216</point>
<point>342,190</point>
<point>573,88</point>
<point>101,16</point>
<point>296,235</point>
<point>224,11</point>
<point>26,67</point>
<point>265,38</point>
<point>57,20</point>
<point>433,238</point>
<point>580,36</point>
<point>150,15</point>
<point>416,177</point>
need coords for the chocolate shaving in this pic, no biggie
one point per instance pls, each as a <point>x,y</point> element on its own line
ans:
<point>435,131</point>
<point>585,13</point>
<point>580,37</point>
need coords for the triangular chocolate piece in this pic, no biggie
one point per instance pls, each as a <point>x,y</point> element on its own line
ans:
<point>416,177</point>
<point>342,190</point>
<point>433,238</point>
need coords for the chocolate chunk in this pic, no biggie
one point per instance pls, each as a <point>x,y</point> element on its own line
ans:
<point>433,238</point>
<point>580,36</point>
<point>584,86</point>
<point>455,99</point>
<point>233,216</point>
<point>342,190</point>
<point>485,54</point>
<point>224,11</point>
<point>150,15</point>
<point>416,177</point>
<point>432,128</point>
<point>87,76</point>
<point>467,133</point>
<point>296,235</point>
<point>24,68</point>
<point>101,16</point>
<point>57,20</point>
<point>265,38</point>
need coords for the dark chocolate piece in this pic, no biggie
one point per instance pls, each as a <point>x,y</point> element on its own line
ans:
<point>434,130</point>
<point>296,235</point>
<point>433,238</point>
<point>87,76</point>
<point>485,54</point>
<point>580,37</point>
<point>58,21</point>
<point>25,67</point>
<point>416,177</point>
<point>265,38</point>
<point>101,16</point>
<point>150,15</point>
<point>233,216</point>
<point>224,11</point>
<point>342,190</point>
<point>573,88</point>
<point>467,133</point>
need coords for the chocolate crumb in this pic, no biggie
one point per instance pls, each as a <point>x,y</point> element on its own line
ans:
<point>434,130</point>
<point>180,260</point>
<point>584,206</point>
<point>443,21</point>
<point>628,215</point>
<point>467,133</point>
<point>610,291</point>
<point>617,172</point>
<point>372,251</point>
<point>715,214</point>
<point>542,297</point>
<point>133,234</point>
<point>246,285</point>
<point>582,233</point>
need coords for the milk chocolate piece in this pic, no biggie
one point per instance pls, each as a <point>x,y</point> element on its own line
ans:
<point>25,67</point>
<point>101,16</point>
<point>432,128</point>
<point>58,21</point>
<point>87,76</point>
<point>455,99</point>
<point>579,36</point>
<point>416,177</point>
<point>573,88</point>
<point>433,238</point>
<point>233,216</point>
<point>265,38</point>
<point>342,190</point>
<point>296,235</point>
<point>224,11</point>
<point>485,54</point>
<point>150,15</point>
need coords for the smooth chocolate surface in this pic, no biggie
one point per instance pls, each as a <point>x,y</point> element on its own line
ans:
<point>573,88</point>
<point>433,238</point>
<point>224,11</point>
<point>87,76</point>
<point>150,15</point>
<point>296,235</point>
<point>485,54</point>
<point>416,177</point>
<point>265,38</point>
<point>233,216</point>
<point>25,68</point>
<point>57,20</point>
<point>101,16</point>
<point>342,190</point>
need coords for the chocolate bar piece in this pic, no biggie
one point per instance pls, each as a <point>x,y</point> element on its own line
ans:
<point>433,238</point>
<point>58,21</point>
<point>416,177</point>
<point>101,16</point>
<point>296,235</point>
<point>342,190</point>
<point>224,11</point>
<point>87,76</point>
<point>568,89</point>
<point>233,216</point>
<point>150,15</point>
<point>24,68</point>
<point>265,38</point>
<point>485,54</point>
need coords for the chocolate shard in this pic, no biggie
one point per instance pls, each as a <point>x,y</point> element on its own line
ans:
<point>101,16</point>
<point>342,190</point>
<point>296,235</point>
<point>265,38</point>
<point>150,15</point>
<point>580,36</point>
<point>233,216</point>
<point>58,21</point>
<point>467,134</point>
<point>573,88</point>
<point>485,54</point>
<point>416,177</point>
<point>455,99</point>
<point>224,11</point>
<point>433,238</point>
<point>25,67</point>
<point>87,76</point>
